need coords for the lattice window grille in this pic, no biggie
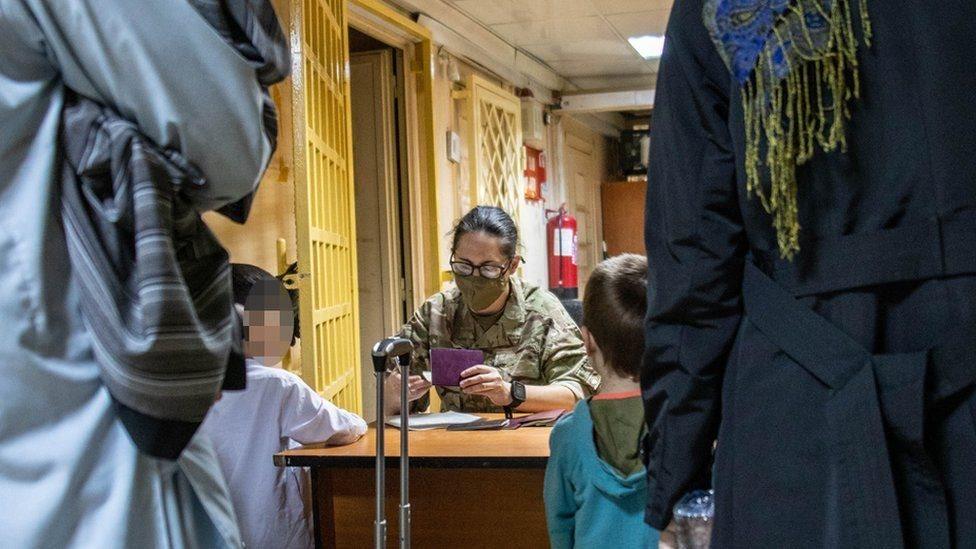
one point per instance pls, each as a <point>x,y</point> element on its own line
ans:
<point>497,158</point>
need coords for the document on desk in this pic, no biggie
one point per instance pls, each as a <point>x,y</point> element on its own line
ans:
<point>426,422</point>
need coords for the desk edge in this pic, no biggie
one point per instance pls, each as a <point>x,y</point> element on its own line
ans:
<point>439,462</point>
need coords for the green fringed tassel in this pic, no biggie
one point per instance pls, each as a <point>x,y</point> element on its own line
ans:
<point>788,119</point>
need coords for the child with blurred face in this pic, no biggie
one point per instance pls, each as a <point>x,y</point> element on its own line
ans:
<point>277,411</point>
<point>269,322</point>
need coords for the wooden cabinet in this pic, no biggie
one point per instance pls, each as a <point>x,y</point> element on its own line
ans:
<point>623,217</point>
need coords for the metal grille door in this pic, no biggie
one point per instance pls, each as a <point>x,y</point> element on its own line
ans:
<point>325,206</point>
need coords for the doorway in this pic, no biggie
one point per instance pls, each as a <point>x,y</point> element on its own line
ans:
<point>381,195</point>
<point>584,168</point>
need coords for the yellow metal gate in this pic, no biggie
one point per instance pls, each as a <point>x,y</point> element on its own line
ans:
<point>325,204</point>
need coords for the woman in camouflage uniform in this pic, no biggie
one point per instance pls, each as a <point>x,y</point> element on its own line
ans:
<point>534,355</point>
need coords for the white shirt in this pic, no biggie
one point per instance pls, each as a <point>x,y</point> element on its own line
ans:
<point>70,476</point>
<point>276,412</point>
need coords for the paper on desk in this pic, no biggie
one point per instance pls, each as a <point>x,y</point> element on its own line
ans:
<point>423,422</point>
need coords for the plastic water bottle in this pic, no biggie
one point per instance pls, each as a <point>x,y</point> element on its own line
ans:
<point>694,516</point>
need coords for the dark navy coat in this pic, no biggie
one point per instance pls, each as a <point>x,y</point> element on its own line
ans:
<point>839,386</point>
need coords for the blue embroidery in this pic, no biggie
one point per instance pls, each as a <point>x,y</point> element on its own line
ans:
<point>795,63</point>
<point>746,30</point>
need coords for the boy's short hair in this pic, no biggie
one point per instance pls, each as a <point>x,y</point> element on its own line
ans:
<point>272,292</point>
<point>613,311</point>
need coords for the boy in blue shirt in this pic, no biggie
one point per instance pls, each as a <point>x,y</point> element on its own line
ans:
<point>596,486</point>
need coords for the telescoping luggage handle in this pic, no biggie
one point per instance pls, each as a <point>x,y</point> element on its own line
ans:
<point>392,352</point>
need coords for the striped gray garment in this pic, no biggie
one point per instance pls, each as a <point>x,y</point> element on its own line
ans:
<point>252,27</point>
<point>155,282</point>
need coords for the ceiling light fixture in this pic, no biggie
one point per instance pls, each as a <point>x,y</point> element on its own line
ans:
<point>649,46</point>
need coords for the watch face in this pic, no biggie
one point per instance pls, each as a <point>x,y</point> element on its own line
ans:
<point>518,391</point>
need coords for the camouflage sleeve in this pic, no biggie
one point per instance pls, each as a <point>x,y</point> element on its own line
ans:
<point>564,360</point>
<point>417,331</point>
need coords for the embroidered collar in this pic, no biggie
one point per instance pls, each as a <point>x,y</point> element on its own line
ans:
<point>795,62</point>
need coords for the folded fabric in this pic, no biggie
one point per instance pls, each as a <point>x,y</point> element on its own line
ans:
<point>538,419</point>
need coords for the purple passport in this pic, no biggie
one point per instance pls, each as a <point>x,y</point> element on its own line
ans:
<point>446,365</point>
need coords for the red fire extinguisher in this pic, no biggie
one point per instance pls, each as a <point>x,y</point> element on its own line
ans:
<point>562,244</point>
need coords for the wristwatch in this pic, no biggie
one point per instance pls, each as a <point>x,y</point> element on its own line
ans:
<point>518,397</point>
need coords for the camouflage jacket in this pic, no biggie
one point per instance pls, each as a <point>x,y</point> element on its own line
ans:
<point>534,341</point>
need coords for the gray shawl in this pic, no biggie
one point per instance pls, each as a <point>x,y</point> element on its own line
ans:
<point>156,291</point>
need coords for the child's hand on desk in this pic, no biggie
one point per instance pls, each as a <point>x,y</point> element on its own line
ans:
<point>487,382</point>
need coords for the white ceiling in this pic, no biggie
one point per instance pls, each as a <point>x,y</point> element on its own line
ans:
<point>585,41</point>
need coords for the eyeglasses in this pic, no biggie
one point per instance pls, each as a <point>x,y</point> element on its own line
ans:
<point>485,270</point>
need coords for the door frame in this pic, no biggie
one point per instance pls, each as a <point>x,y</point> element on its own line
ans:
<point>581,139</point>
<point>380,177</point>
<point>382,22</point>
<point>392,233</point>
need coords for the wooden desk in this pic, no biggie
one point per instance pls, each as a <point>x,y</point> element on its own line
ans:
<point>467,488</point>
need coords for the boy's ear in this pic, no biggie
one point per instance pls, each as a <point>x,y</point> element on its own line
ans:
<point>588,342</point>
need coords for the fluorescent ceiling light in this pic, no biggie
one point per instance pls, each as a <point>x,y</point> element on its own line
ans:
<point>649,47</point>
